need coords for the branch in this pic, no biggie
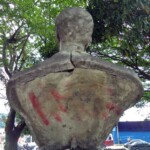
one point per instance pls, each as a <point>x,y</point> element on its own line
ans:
<point>10,128</point>
<point>19,39</point>
<point>12,58</point>
<point>43,39</point>
<point>7,42</point>
<point>140,72</point>
<point>10,122</point>
<point>12,39</point>
<point>4,58</point>
<point>133,65</point>
<point>21,65</point>
<point>19,128</point>
<point>22,51</point>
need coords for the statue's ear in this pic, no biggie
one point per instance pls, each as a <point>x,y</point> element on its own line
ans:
<point>57,35</point>
<point>58,38</point>
<point>88,43</point>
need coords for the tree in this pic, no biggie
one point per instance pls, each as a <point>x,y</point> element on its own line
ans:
<point>122,34</point>
<point>13,59</point>
<point>15,48</point>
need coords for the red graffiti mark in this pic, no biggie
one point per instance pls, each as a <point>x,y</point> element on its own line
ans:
<point>57,117</point>
<point>36,105</point>
<point>111,91</point>
<point>62,108</point>
<point>114,107</point>
<point>110,106</point>
<point>56,95</point>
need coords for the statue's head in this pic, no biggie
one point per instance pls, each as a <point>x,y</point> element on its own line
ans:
<point>74,28</point>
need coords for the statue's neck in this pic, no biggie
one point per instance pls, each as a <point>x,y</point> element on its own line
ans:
<point>71,47</point>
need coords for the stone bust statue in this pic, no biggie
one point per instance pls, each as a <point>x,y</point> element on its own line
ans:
<point>73,100</point>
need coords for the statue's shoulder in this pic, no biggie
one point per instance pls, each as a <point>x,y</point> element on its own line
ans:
<point>57,63</point>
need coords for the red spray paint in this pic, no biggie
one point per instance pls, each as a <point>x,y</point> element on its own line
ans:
<point>56,95</point>
<point>36,105</point>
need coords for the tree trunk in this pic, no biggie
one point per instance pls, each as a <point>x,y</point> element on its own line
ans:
<point>12,132</point>
<point>11,142</point>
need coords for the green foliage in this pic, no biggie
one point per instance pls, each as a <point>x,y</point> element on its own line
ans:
<point>37,20</point>
<point>49,49</point>
<point>122,34</point>
<point>106,17</point>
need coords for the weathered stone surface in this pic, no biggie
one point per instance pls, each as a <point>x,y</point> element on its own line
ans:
<point>74,29</point>
<point>73,99</point>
